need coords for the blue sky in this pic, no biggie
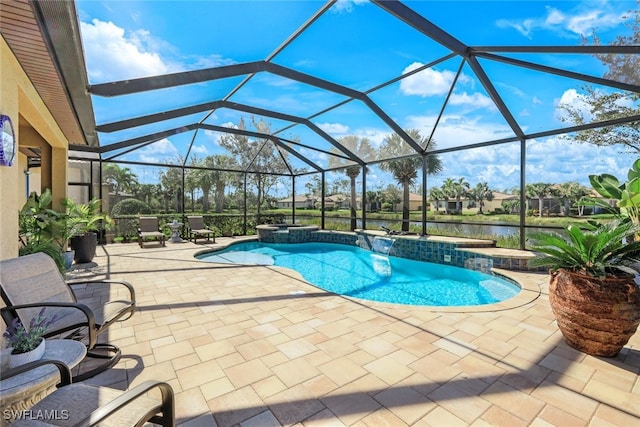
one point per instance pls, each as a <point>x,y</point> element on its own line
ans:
<point>358,45</point>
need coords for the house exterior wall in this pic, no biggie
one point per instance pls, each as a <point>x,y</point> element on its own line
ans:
<point>33,123</point>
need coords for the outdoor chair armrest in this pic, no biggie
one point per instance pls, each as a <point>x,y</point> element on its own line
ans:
<point>129,286</point>
<point>65,372</point>
<point>8,313</point>
<point>167,405</point>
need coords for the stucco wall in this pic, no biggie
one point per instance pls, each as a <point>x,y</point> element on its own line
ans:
<point>20,101</point>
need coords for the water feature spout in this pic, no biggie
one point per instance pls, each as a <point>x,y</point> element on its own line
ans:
<point>381,264</point>
<point>382,245</point>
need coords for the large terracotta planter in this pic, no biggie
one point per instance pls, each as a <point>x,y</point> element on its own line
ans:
<point>597,316</point>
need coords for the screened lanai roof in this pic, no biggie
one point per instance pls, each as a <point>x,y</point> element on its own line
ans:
<point>307,76</point>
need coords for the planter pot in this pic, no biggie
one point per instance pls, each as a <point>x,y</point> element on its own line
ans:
<point>597,316</point>
<point>30,356</point>
<point>85,247</point>
<point>68,258</point>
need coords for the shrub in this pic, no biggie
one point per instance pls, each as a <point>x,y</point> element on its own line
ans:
<point>126,213</point>
<point>130,207</point>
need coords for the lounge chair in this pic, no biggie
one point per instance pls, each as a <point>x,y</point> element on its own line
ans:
<point>85,405</point>
<point>83,309</point>
<point>197,228</point>
<point>149,229</point>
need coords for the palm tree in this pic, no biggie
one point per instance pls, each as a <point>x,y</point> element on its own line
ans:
<point>191,184</point>
<point>361,147</point>
<point>122,179</point>
<point>480,193</point>
<point>214,176</point>
<point>436,194</point>
<point>571,192</point>
<point>460,189</point>
<point>539,190</point>
<point>448,190</point>
<point>405,169</point>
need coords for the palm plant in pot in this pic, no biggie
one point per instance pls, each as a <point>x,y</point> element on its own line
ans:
<point>592,291</point>
<point>85,220</point>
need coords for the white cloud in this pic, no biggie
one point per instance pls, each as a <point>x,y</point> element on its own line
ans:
<point>577,22</point>
<point>576,101</point>
<point>475,100</point>
<point>111,55</point>
<point>346,6</point>
<point>162,151</point>
<point>458,130</point>
<point>334,128</point>
<point>199,149</point>
<point>428,82</point>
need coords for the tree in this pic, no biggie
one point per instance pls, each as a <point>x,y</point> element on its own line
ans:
<point>571,192</point>
<point>122,179</point>
<point>539,190</point>
<point>191,184</point>
<point>171,181</point>
<point>480,193</point>
<point>363,148</point>
<point>259,157</point>
<point>436,194</point>
<point>448,190</point>
<point>405,169</point>
<point>460,189</point>
<point>215,175</point>
<point>146,192</point>
<point>391,195</point>
<point>611,105</point>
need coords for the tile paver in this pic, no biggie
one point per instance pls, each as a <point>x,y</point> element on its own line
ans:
<point>242,346</point>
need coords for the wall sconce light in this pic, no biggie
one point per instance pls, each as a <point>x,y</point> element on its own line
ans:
<point>7,141</point>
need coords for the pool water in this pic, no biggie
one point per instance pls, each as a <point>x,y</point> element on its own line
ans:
<point>359,273</point>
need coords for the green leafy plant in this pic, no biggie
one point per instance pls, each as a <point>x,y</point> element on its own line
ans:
<point>82,218</point>
<point>601,251</point>
<point>626,194</point>
<point>39,227</point>
<point>22,339</point>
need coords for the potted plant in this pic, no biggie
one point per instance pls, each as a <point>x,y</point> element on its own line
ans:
<point>27,345</point>
<point>39,226</point>
<point>592,291</point>
<point>83,221</point>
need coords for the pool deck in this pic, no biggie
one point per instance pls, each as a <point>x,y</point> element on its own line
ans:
<point>258,346</point>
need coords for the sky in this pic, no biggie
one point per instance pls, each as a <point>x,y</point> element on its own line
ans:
<point>358,45</point>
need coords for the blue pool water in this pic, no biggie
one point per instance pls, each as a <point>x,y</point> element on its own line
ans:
<point>359,273</point>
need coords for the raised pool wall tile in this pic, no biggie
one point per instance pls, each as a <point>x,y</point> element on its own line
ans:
<point>410,247</point>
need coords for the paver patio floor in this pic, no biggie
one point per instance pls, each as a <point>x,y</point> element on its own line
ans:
<point>258,346</point>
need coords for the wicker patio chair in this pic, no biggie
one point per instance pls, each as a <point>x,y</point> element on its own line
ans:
<point>85,405</point>
<point>197,228</point>
<point>149,229</point>
<point>83,309</point>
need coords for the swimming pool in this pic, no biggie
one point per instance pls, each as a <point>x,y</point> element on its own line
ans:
<point>360,273</point>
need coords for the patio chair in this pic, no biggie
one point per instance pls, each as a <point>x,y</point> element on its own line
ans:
<point>83,309</point>
<point>149,229</point>
<point>197,228</point>
<point>85,405</point>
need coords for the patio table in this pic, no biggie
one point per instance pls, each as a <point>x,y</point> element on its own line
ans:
<point>21,392</point>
